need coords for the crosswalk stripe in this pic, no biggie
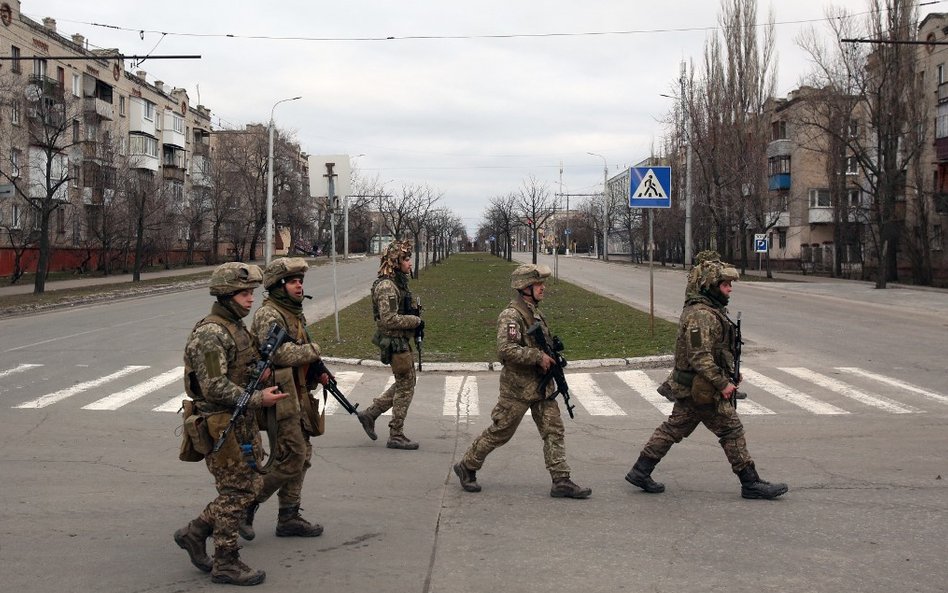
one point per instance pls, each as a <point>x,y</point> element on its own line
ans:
<point>389,383</point>
<point>643,385</point>
<point>460,396</point>
<point>172,405</point>
<point>18,369</point>
<point>584,388</point>
<point>52,398</point>
<point>784,392</point>
<point>126,396</point>
<point>895,383</point>
<point>846,390</point>
<point>346,382</point>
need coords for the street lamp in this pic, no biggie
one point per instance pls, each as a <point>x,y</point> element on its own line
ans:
<point>269,250</point>
<point>605,207</point>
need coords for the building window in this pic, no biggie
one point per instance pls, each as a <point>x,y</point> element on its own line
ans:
<point>853,129</point>
<point>854,201</point>
<point>76,85</point>
<point>852,165</point>
<point>15,116</point>
<point>820,198</point>
<point>937,239</point>
<point>782,238</point>
<point>149,110</point>
<point>15,62</point>
<point>74,175</point>
<point>778,130</point>
<point>39,67</point>
<point>143,145</point>
<point>122,105</point>
<point>14,162</point>
<point>61,220</point>
<point>15,223</point>
<point>779,165</point>
<point>178,124</point>
<point>75,130</point>
<point>940,73</point>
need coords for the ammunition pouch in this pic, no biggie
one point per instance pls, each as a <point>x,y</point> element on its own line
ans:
<point>195,440</point>
<point>244,431</point>
<point>702,392</point>
<point>389,345</point>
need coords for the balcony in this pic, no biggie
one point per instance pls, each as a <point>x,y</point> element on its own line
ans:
<point>781,147</point>
<point>781,219</point>
<point>943,92</point>
<point>172,173</point>
<point>96,106</point>
<point>780,181</point>
<point>48,87</point>
<point>820,215</point>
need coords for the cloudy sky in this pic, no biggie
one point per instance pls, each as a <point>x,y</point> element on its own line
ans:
<point>469,98</point>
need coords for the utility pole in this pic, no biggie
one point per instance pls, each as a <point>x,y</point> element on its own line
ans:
<point>686,118</point>
<point>332,240</point>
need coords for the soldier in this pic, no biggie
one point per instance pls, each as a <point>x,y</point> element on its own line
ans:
<point>701,383</point>
<point>391,305</point>
<point>217,359</point>
<point>296,366</point>
<point>524,366</point>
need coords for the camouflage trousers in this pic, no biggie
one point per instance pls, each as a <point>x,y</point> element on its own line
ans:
<point>397,397</point>
<point>237,487</point>
<point>292,459</point>
<point>506,417</point>
<point>720,418</point>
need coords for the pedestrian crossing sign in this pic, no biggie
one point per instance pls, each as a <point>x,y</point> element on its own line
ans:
<point>650,187</point>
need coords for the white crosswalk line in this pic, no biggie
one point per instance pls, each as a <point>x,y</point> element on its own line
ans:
<point>643,385</point>
<point>18,369</point>
<point>389,383</point>
<point>846,390</point>
<point>126,396</point>
<point>460,397</point>
<point>895,383</point>
<point>584,388</point>
<point>172,405</point>
<point>346,382</point>
<point>787,394</point>
<point>52,398</point>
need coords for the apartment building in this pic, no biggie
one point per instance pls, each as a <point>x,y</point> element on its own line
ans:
<point>74,124</point>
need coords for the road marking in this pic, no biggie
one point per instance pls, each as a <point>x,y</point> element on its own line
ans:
<point>17,369</point>
<point>460,397</point>
<point>126,396</point>
<point>584,388</point>
<point>90,331</point>
<point>784,392</point>
<point>643,385</point>
<point>389,383</point>
<point>52,398</point>
<point>895,383</point>
<point>346,382</point>
<point>172,405</point>
<point>846,390</point>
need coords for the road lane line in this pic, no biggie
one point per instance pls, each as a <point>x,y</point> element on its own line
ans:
<point>460,397</point>
<point>346,382</point>
<point>643,385</point>
<point>18,369</point>
<point>846,390</point>
<point>389,383</point>
<point>127,396</point>
<point>52,398</point>
<point>172,405</point>
<point>584,388</point>
<point>895,383</point>
<point>787,394</point>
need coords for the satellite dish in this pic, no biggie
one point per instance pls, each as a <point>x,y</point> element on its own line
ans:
<point>33,93</point>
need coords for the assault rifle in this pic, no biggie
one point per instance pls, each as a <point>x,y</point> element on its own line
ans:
<point>317,369</point>
<point>736,375</point>
<point>555,373</point>
<point>414,308</point>
<point>276,337</point>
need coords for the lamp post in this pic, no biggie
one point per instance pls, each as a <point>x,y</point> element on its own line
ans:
<point>605,207</point>
<point>269,249</point>
<point>686,130</point>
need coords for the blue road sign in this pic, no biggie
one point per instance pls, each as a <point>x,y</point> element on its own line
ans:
<point>567,231</point>
<point>760,244</point>
<point>650,187</point>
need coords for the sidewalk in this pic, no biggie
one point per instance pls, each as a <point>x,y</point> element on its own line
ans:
<point>54,285</point>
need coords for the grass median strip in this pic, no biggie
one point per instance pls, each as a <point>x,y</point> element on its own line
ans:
<point>462,298</point>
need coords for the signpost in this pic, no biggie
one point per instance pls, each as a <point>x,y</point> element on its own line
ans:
<point>760,246</point>
<point>650,187</point>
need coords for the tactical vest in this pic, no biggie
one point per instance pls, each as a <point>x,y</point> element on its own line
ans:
<point>238,370</point>
<point>721,352</point>
<point>403,296</point>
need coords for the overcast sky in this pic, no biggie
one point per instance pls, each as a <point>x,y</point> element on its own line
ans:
<point>470,98</point>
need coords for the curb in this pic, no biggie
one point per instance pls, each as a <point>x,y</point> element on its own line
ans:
<point>641,362</point>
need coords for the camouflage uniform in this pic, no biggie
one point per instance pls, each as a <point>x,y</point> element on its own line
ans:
<point>520,389</point>
<point>217,360</point>
<point>396,329</point>
<point>294,428</point>
<point>704,364</point>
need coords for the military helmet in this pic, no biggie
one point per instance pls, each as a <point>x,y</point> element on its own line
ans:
<point>233,277</point>
<point>528,274</point>
<point>707,255</point>
<point>281,268</point>
<point>708,274</point>
<point>395,252</point>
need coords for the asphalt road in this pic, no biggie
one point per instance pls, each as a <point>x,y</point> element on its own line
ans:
<point>93,490</point>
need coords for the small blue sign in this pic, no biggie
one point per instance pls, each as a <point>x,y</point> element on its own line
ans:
<point>760,244</point>
<point>567,231</point>
<point>650,187</point>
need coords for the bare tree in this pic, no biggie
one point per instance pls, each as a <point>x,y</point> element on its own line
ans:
<point>535,205</point>
<point>421,204</point>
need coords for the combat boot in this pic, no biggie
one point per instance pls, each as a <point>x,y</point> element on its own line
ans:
<point>400,441</point>
<point>291,524</point>
<point>191,538</point>
<point>753,487</point>
<point>368,424</point>
<point>245,526</point>
<point>641,475</point>
<point>468,478</point>
<point>565,488</point>
<point>228,569</point>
